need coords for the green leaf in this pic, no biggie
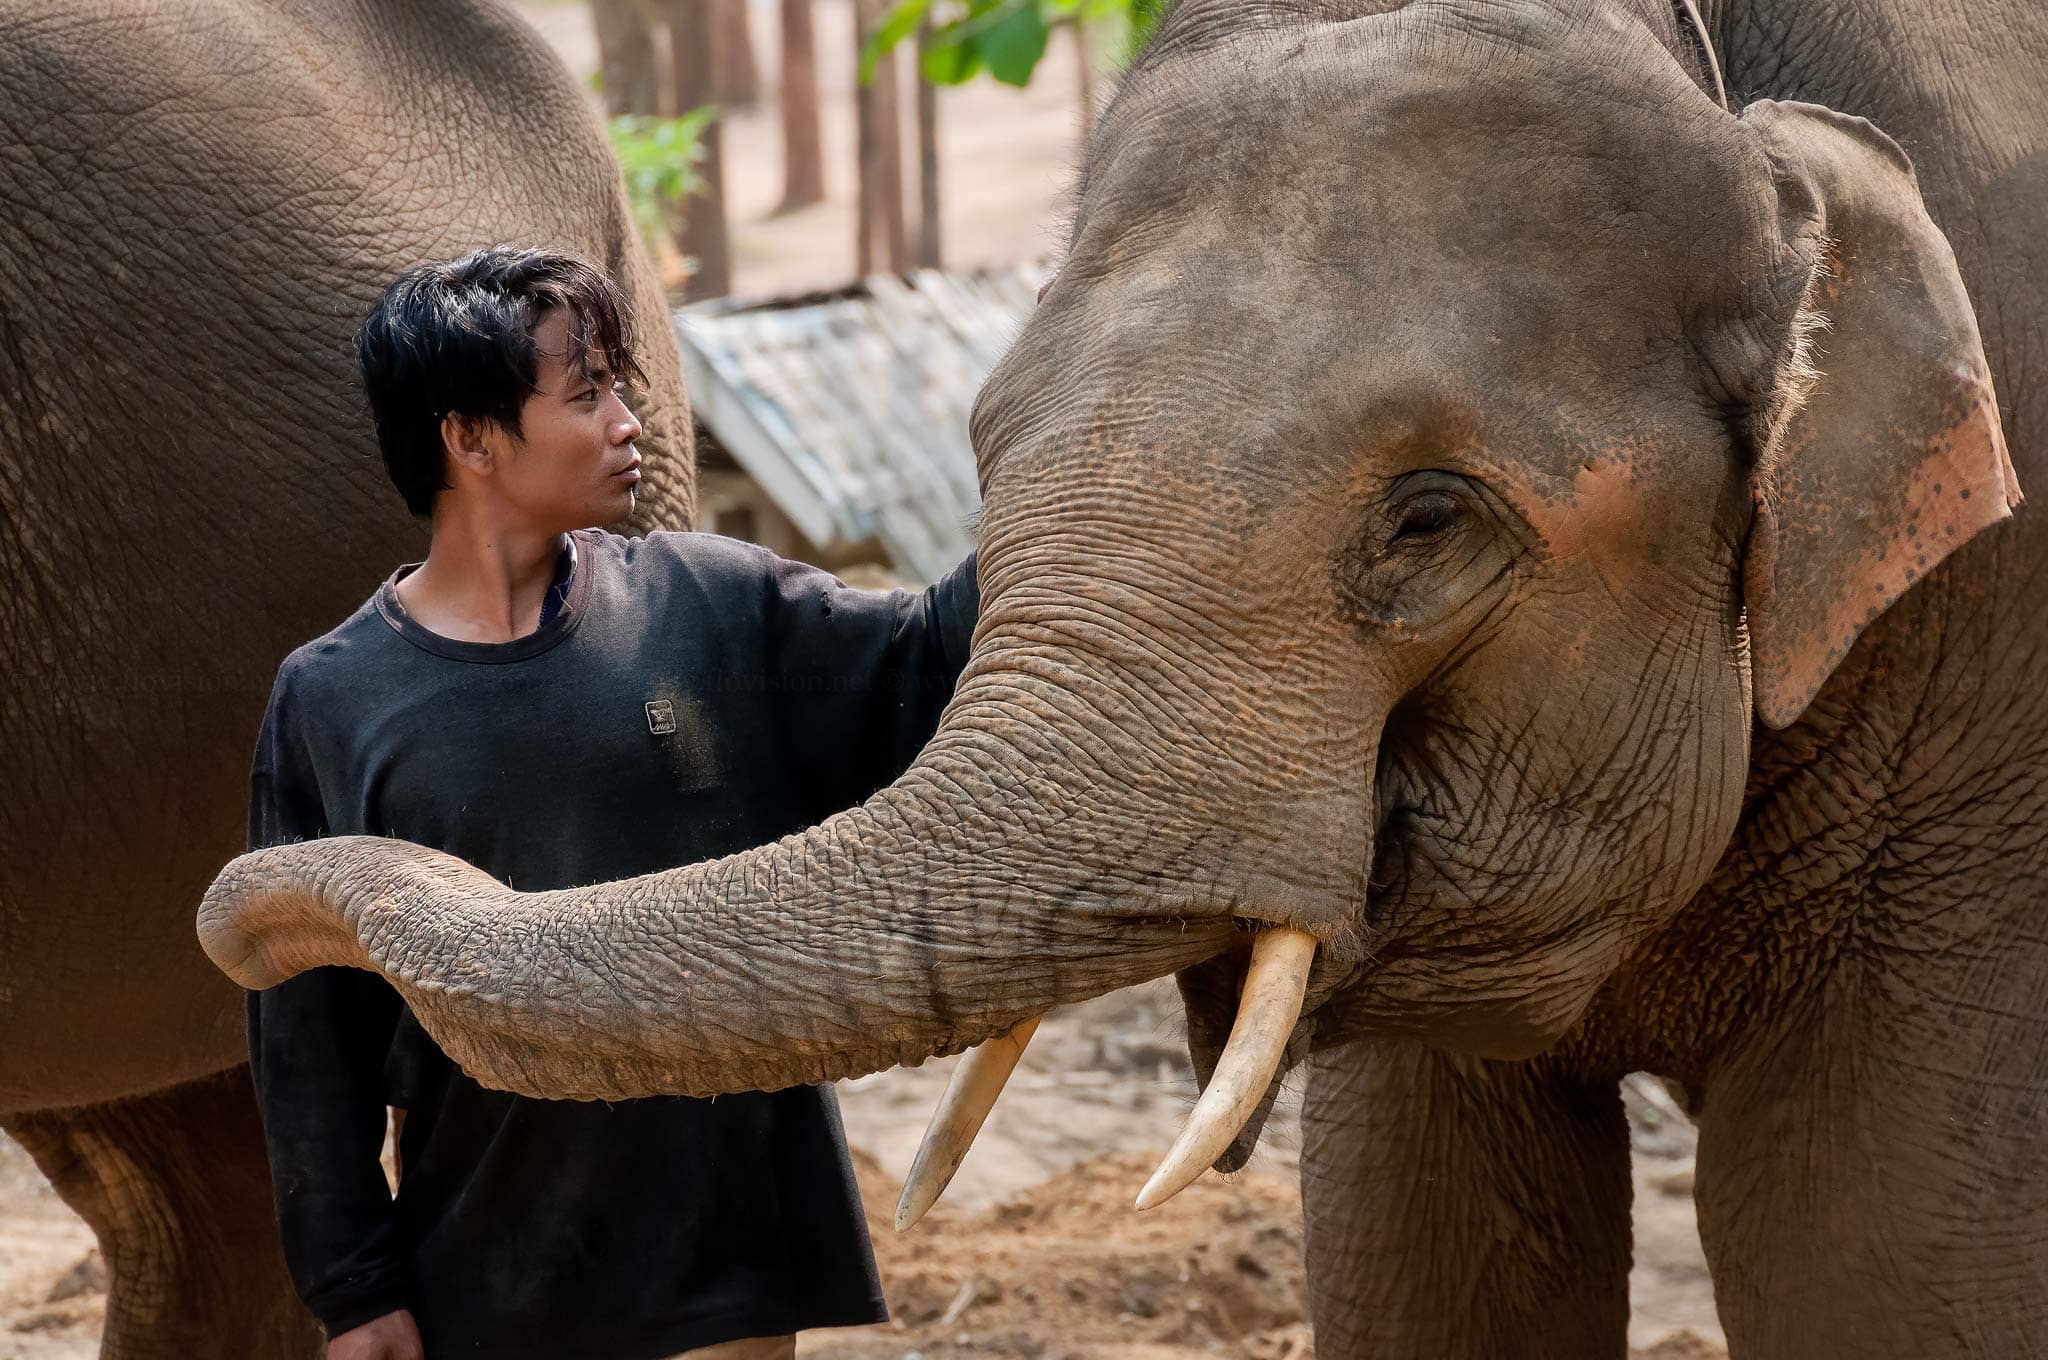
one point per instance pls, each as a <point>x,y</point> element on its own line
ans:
<point>658,160</point>
<point>899,23</point>
<point>1008,38</point>
<point>1013,45</point>
<point>950,63</point>
<point>1123,27</point>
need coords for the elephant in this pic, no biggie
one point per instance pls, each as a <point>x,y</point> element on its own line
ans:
<point>201,198</point>
<point>1524,495</point>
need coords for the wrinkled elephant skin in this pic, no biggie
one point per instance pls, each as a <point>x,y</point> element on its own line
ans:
<point>200,199</point>
<point>1474,497</point>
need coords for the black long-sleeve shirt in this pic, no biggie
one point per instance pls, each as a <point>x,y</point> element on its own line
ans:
<point>692,696</point>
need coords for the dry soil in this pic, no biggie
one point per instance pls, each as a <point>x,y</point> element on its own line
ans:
<point>1035,1253</point>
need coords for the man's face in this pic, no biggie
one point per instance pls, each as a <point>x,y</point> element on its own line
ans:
<point>572,464</point>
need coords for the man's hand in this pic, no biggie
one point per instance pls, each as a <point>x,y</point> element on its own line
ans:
<point>391,1337</point>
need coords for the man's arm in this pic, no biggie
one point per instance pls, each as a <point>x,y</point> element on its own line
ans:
<point>867,672</point>
<point>317,1046</point>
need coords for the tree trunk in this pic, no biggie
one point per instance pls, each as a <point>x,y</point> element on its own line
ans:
<point>803,149</point>
<point>889,181</point>
<point>1086,67</point>
<point>928,228</point>
<point>864,178</point>
<point>881,241</point>
<point>625,47</point>
<point>739,76</point>
<point>703,238</point>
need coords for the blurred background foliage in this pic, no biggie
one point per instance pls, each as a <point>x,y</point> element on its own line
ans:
<point>1007,38</point>
<point>660,158</point>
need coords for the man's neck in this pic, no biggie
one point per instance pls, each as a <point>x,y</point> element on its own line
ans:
<point>481,583</point>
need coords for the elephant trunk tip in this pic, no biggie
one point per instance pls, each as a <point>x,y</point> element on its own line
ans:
<point>273,914</point>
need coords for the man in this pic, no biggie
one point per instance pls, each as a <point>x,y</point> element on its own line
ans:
<point>561,706</point>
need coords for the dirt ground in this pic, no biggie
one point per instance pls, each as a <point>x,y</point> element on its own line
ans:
<point>1035,1252</point>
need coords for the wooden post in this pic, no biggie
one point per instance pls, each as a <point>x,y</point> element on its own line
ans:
<point>1087,80</point>
<point>881,239</point>
<point>692,41</point>
<point>739,76</point>
<point>803,147</point>
<point>626,55</point>
<point>928,228</point>
<point>865,153</point>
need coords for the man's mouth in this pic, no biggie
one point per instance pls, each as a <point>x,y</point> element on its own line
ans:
<point>631,471</point>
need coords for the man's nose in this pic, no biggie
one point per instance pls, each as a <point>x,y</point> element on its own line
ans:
<point>627,430</point>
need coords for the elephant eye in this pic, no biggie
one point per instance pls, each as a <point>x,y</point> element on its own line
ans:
<point>1430,544</point>
<point>1424,517</point>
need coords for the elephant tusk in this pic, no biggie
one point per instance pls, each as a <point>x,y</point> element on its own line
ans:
<point>970,1095</point>
<point>1266,1012</point>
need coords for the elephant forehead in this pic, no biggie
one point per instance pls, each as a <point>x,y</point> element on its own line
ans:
<point>1324,239</point>
<point>1553,130</point>
<point>1195,353</point>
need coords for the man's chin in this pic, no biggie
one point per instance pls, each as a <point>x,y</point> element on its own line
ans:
<point>619,509</point>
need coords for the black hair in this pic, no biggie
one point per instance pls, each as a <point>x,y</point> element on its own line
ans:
<point>457,338</point>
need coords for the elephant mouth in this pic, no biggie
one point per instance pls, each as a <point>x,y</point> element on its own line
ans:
<point>1244,1017</point>
<point>1268,1008</point>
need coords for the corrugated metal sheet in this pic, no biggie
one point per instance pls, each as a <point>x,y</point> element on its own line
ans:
<point>851,410</point>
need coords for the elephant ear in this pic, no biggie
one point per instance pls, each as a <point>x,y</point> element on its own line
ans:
<point>1895,457</point>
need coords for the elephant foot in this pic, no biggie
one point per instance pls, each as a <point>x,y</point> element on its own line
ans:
<point>174,1184</point>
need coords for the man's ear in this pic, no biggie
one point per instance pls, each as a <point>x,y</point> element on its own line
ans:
<point>1895,457</point>
<point>466,441</point>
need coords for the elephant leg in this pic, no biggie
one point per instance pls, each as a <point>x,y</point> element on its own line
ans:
<point>1463,1208</point>
<point>1873,1177</point>
<point>176,1187</point>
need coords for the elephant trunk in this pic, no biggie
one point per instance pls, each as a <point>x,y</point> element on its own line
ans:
<point>975,892</point>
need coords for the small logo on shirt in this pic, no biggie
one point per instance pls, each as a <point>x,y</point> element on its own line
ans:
<point>661,717</point>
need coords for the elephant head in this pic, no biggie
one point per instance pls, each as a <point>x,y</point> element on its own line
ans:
<point>1451,428</point>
